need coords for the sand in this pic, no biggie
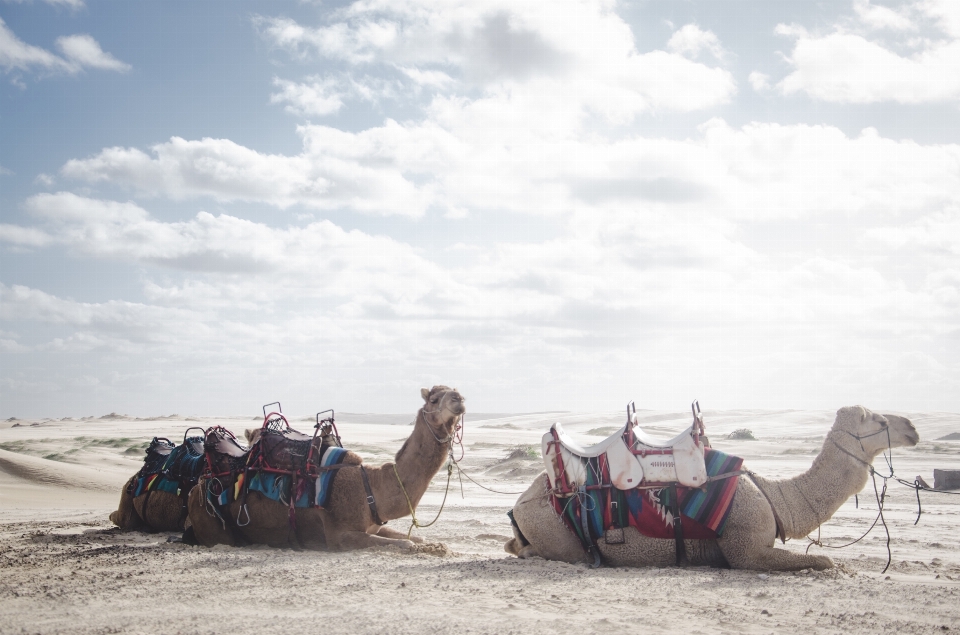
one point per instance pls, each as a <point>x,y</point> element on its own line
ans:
<point>65,569</point>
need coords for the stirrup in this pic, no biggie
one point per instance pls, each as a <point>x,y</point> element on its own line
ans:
<point>243,510</point>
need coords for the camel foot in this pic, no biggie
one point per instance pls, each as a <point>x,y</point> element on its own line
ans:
<point>189,538</point>
<point>528,552</point>
<point>387,532</point>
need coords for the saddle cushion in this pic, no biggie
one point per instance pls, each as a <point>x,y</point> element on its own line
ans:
<point>684,465</point>
<point>632,457</point>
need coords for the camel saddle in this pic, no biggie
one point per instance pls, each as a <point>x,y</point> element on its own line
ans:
<point>223,452</point>
<point>185,463</point>
<point>157,454</point>
<point>630,456</point>
<point>287,450</point>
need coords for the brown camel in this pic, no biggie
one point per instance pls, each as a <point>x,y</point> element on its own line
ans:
<point>801,503</point>
<point>152,511</point>
<point>348,520</point>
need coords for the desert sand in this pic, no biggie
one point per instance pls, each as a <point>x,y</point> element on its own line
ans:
<point>66,569</point>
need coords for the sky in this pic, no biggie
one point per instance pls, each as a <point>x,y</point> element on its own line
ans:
<point>206,206</point>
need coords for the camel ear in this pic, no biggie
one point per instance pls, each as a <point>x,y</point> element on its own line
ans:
<point>251,435</point>
<point>424,393</point>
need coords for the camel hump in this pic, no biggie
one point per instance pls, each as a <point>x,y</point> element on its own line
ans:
<point>352,458</point>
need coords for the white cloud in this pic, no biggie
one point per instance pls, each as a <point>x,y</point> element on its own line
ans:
<point>84,51</point>
<point>880,17</point>
<point>691,40</point>
<point>72,4</point>
<point>16,54</point>
<point>945,12</point>
<point>80,51</point>
<point>848,65</point>
<point>517,47</point>
<point>318,97</point>
<point>330,174</point>
<point>759,81</point>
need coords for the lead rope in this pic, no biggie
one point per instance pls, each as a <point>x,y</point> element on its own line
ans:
<point>453,438</point>
<point>413,512</point>
<point>880,496</point>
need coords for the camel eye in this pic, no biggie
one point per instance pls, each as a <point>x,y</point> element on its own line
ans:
<point>434,400</point>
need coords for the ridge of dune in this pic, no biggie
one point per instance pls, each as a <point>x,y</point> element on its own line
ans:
<point>55,473</point>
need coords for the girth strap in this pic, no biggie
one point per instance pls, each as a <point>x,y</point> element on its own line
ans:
<point>370,500</point>
<point>677,525</point>
<point>585,527</point>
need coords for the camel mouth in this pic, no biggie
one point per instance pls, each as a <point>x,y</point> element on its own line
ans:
<point>906,428</point>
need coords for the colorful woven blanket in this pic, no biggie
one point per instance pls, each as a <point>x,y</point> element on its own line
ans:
<point>703,511</point>
<point>311,493</point>
<point>180,469</point>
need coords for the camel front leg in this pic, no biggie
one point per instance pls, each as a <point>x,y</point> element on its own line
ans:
<point>349,540</point>
<point>387,532</point>
<point>750,535</point>
<point>773,559</point>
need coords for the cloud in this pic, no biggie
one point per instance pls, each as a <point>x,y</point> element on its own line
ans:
<point>80,51</point>
<point>72,4</point>
<point>880,17</point>
<point>330,174</point>
<point>759,81</point>
<point>16,54</point>
<point>492,46</point>
<point>690,40</point>
<point>848,65</point>
<point>471,156</point>
<point>84,51</point>
<point>318,97</point>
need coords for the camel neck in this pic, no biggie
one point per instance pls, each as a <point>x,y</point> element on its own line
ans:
<point>417,462</point>
<point>806,501</point>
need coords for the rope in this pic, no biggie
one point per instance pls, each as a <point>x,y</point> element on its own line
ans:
<point>413,513</point>
<point>464,473</point>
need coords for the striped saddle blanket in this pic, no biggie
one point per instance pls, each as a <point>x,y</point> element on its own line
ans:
<point>279,487</point>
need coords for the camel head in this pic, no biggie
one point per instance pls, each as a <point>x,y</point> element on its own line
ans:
<point>871,429</point>
<point>252,436</point>
<point>442,408</point>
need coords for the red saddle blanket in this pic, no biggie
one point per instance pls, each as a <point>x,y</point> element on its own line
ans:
<point>703,511</point>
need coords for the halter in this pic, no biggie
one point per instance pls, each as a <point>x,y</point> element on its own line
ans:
<point>423,411</point>
<point>860,437</point>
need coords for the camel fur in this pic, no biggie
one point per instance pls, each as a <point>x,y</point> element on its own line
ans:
<point>801,503</point>
<point>347,521</point>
